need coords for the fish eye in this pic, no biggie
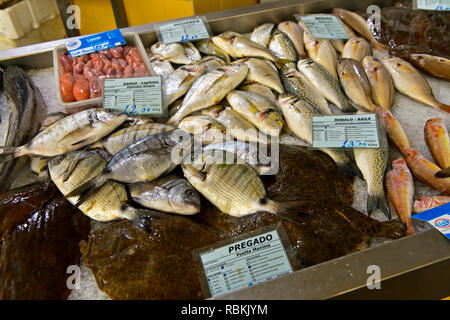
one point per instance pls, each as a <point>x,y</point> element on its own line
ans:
<point>189,193</point>
<point>60,158</point>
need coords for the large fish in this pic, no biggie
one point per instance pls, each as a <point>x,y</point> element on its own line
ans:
<point>411,83</point>
<point>282,46</point>
<point>381,84</point>
<point>355,83</point>
<point>326,84</point>
<point>433,65</point>
<point>168,194</point>
<point>400,192</point>
<point>426,203</point>
<point>263,72</point>
<point>239,47</point>
<point>259,110</point>
<point>438,142</point>
<point>322,52</point>
<point>262,34</point>
<point>70,133</point>
<point>207,47</point>
<point>298,85</point>
<point>394,130</point>
<point>356,48</point>
<point>425,171</point>
<point>210,89</point>
<point>295,34</point>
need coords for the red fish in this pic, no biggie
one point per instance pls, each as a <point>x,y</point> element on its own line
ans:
<point>436,137</point>
<point>426,203</point>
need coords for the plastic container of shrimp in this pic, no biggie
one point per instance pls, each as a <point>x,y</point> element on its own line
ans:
<point>131,38</point>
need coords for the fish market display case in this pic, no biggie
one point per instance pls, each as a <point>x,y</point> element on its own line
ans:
<point>413,267</point>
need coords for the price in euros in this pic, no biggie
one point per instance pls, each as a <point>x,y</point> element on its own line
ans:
<point>186,37</point>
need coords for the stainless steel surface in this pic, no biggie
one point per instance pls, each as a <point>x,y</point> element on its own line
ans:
<point>330,279</point>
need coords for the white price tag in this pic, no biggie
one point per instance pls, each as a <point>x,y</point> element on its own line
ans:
<point>345,131</point>
<point>245,263</point>
<point>138,96</point>
<point>324,26</point>
<point>184,30</point>
<point>432,4</point>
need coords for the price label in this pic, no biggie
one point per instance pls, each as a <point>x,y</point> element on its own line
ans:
<point>184,30</point>
<point>95,42</point>
<point>136,96</point>
<point>345,131</point>
<point>324,26</point>
<point>432,4</point>
<point>438,217</point>
<point>245,263</point>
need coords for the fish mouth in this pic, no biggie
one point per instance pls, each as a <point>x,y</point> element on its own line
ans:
<point>190,208</point>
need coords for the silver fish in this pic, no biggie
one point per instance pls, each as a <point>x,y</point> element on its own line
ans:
<point>259,89</point>
<point>262,33</point>
<point>160,66</point>
<point>211,63</point>
<point>295,34</point>
<point>173,52</point>
<point>205,129</point>
<point>191,52</point>
<point>207,47</point>
<point>282,46</point>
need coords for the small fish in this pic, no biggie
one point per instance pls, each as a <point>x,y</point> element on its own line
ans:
<point>298,85</point>
<point>207,47</point>
<point>259,110</point>
<point>262,34</point>
<point>259,89</point>
<point>160,66</point>
<point>357,23</point>
<point>411,83</point>
<point>326,84</point>
<point>433,65</point>
<point>424,170</point>
<point>205,129</point>
<point>168,194</point>
<point>355,83</point>
<point>295,34</point>
<point>381,83</point>
<point>178,82</point>
<point>70,133</point>
<point>322,52</point>
<point>438,142</point>
<point>426,203</point>
<point>356,48</point>
<point>173,52</point>
<point>400,192</point>
<point>239,47</point>
<point>282,46</point>
<point>191,52</point>
<point>210,89</point>
<point>263,72</point>
<point>372,163</point>
<point>394,130</point>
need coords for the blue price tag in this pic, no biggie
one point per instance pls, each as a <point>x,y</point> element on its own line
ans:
<point>95,42</point>
<point>438,217</point>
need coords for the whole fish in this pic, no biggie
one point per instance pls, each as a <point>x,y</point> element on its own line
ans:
<point>438,142</point>
<point>259,110</point>
<point>191,52</point>
<point>168,194</point>
<point>325,83</point>
<point>339,43</point>
<point>132,134</point>
<point>433,65</point>
<point>424,170</point>
<point>356,48</point>
<point>411,83</point>
<point>426,203</point>
<point>262,34</point>
<point>210,89</point>
<point>211,63</point>
<point>394,130</point>
<point>400,192</point>
<point>298,85</point>
<point>322,52</point>
<point>295,34</point>
<point>70,133</point>
<point>373,163</point>
<point>143,161</point>
<point>355,83</point>
<point>381,84</point>
<point>282,46</point>
<point>173,52</point>
<point>160,66</point>
<point>259,89</point>
<point>207,47</point>
<point>205,129</point>
<point>239,47</point>
<point>263,72</point>
<point>357,23</point>
<point>178,82</point>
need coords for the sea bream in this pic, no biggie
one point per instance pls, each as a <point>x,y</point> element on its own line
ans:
<point>263,72</point>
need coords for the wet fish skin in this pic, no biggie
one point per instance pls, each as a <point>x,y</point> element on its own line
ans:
<point>400,191</point>
<point>160,66</point>
<point>356,48</point>
<point>211,63</point>
<point>356,85</point>
<point>239,127</point>
<point>424,170</point>
<point>411,83</point>
<point>394,130</point>
<point>325,83</point>
<point>282,46</point>
<point>191,52</point>
<point>207,47</point>
<point>262,34</point>
<point>295,34</point>
<point>263,72</point>
<point>259,89</point>
<point>438,141</point>
<point>426,203</point>
<point>210,89</point>
<point>381,84</point>
<point>433,65</point>
<point>168,194</point>
<point>205,129</point>
<point>173,52</point>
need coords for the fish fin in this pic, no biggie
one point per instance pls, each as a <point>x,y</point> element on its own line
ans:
<point>10,153</point>
<point>375,202</point>
<point>72,166</point>
<point>78,132</point>
<point>141,218</point>
<point>196,173</point>
<point>444,173</point>
<point>443,107</point>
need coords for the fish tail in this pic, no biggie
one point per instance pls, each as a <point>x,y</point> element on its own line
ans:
<point>409,229</point>
<point>444,173</point>
<point>378,201</point>
<point>10,153</point>
<point>174,121</point>
<point>443,107</point>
